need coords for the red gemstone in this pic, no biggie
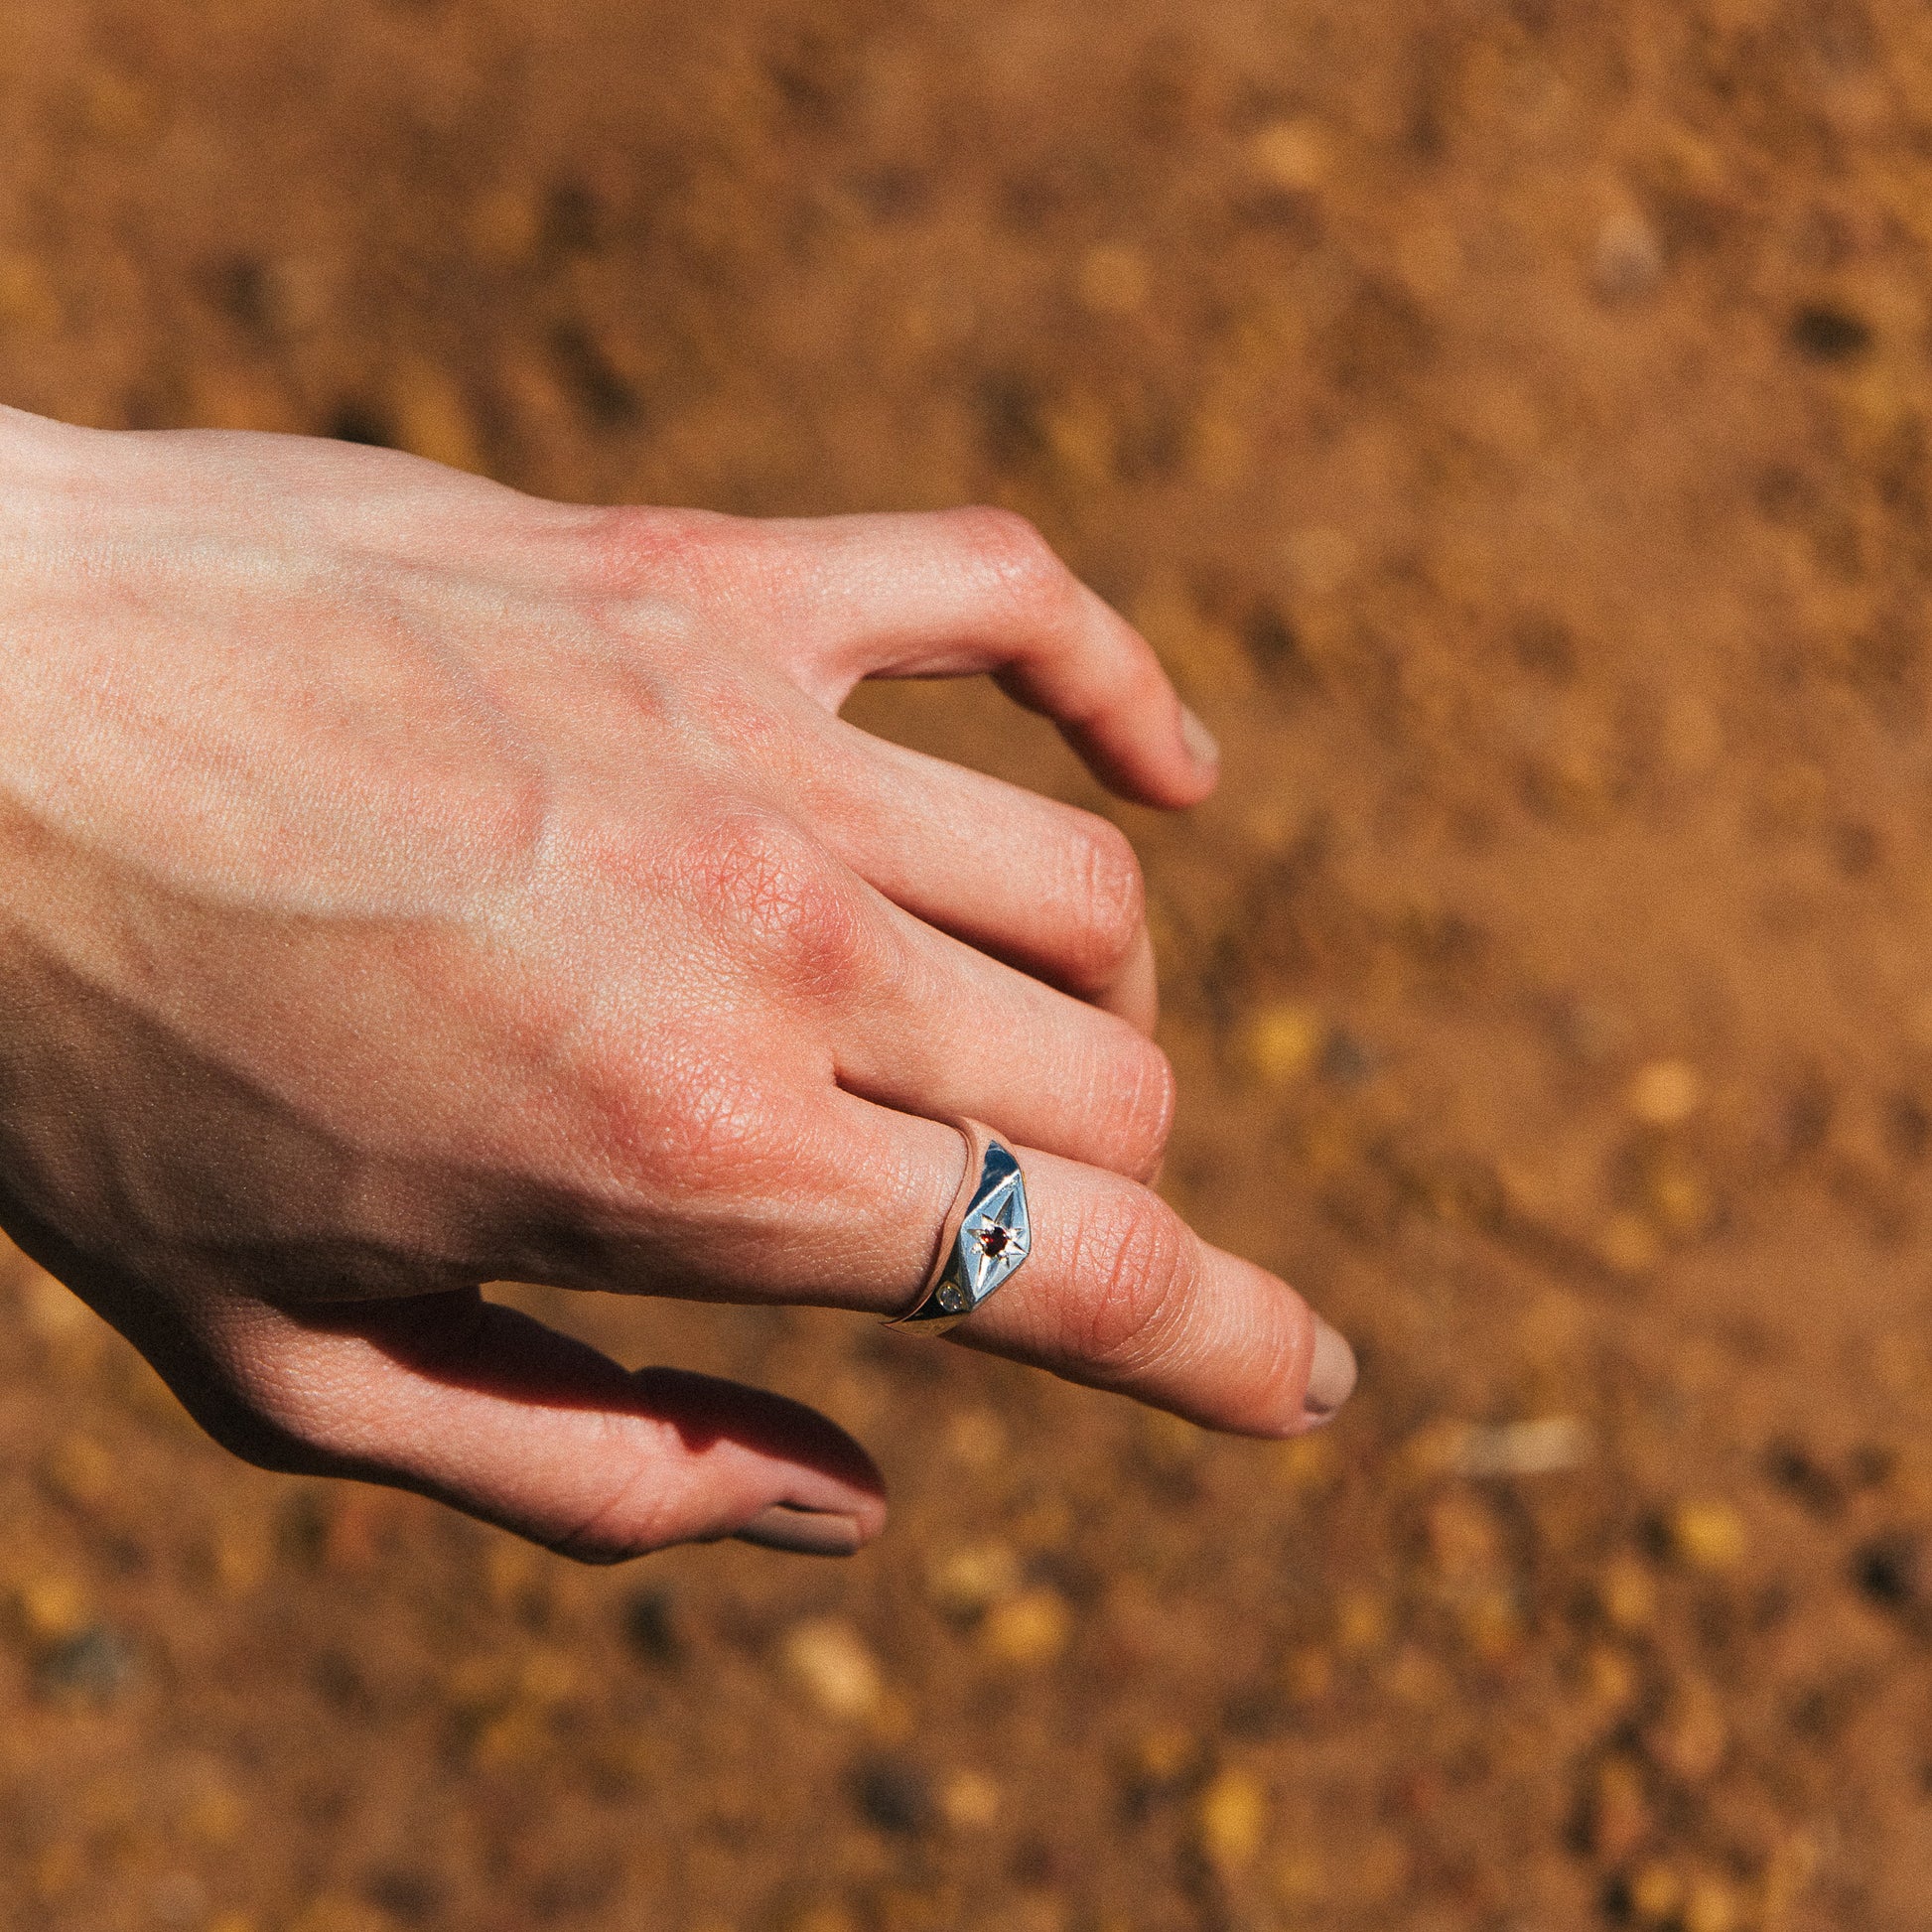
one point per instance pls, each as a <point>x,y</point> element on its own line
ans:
<point>994,1239</point>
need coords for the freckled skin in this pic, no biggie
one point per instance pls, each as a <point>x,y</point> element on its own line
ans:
<point>405,884</point>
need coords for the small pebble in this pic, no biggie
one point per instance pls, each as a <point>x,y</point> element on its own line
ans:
<point>1609,1681</point>
<point>1709,1536</point>
<point>1546,1446</point>
<point>1464,1538</point>
<point>1712,1906</point>
<point>1415,1677</point>
<point>1298,1879</point>
<point>826,1658</point>
<point>81,1473</point>
<point>29,301</point>
<point>894,1797</point>
<point>1030,1629</point>
<point>1491,1623</point>
<point>970,1801</point>
<point>1362,1623</point>
<point>1283,1043</point>
<point>1307,1673</point>
<point>650,1628</point>
<point>432,417</point>
<point>1308,1463</point>
<point>1803,1476</point>
<point>51,1607</point>
<point>1629,258</point>
<point>242,1553</point>
<point>1292,156</point>
<point>1232,1819</point>
<point>180,1898</point>
<point>1821,333</point>
<point>506,225</point>
<point>1164,1755</point>
<point>1666,1093</point>
<point>1893,1570</point>
<point>963,1584</point>
<point>1655,1892</point>
<point>1321,559</point>
<point>119,109</point>
<point>94,1666</point>
<point>1345,1061</point>
<point>976,1438</point>
<point>1679,1196</point>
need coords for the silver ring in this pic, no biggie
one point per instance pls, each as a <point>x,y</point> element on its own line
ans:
<point>985,1236</point>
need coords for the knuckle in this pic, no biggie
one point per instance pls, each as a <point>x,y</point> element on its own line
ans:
<point>782,898</point>
<point>695,1114</point>
<point>637,1512</point>
<point>1110,899</point>
<point>1145,1107</point>
<point>1012,550</point>
<point>624,549</point>
<point>1135,1265</point>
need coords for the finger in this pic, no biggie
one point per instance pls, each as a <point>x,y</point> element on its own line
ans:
<point>854,991</point>
<point>1131,1299</point>
<point>958,591</point>
<point>483,1408</point>
<point>1117,1291</point>
<point>938,1029</point>
<point>1044,886</point>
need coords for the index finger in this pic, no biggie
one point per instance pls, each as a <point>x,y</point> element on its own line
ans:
<point>951,592</point>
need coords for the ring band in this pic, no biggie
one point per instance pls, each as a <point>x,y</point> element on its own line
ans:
<point>985,1236</point>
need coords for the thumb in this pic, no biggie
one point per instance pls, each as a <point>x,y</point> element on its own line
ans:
<point>488,1410</point>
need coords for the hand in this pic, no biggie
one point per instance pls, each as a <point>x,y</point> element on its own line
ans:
<point>407,885</point>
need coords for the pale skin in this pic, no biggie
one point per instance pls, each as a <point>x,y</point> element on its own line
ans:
<point>407,885</point>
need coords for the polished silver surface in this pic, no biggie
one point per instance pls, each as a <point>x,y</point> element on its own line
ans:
<point>985,1238</point>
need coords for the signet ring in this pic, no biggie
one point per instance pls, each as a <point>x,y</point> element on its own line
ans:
<point>984,1239</point>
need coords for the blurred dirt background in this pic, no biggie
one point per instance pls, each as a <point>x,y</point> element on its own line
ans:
<point>1510,419</point>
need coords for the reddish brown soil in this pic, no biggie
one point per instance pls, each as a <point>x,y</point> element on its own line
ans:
<point>1511,421</point>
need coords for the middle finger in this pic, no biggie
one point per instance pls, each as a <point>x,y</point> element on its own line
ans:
<point>1052,889</point>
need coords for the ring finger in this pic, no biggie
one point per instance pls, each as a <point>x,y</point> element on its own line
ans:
<point>1117,1291</point>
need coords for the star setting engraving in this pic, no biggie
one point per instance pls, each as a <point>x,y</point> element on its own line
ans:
<point>995,1236</point>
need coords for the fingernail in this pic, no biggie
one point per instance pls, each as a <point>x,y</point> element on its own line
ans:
<point>1331,1376</point>
<point>1199,740</point>
<point>809,1532</point>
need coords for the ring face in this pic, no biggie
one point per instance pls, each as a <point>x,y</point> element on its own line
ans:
<point>987,1236</point>
<point>994,1238</point>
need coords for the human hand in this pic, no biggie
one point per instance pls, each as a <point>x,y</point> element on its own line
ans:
<point>407,885</point>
